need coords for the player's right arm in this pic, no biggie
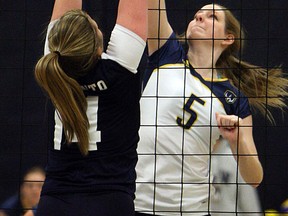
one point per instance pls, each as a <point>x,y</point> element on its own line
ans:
<point>159,29</point>
<point>62,6</point>
<point>59,9</point>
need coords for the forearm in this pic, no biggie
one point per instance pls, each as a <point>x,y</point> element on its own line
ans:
<point>159,28</point>
<point>249,165</point>
<point>247,159</point>
<point>132,14</point>
<point>238,132</point>
<point>62,6</point>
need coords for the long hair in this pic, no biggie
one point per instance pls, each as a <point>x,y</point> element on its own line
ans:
<point>73,44</point>
<point>264,87</point>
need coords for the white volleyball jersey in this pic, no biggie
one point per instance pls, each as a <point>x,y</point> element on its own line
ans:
<point>177,135</point>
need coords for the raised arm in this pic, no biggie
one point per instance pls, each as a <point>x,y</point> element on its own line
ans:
<point>62,6</point>
<point>159,29</point>
<point>59,9</point>
<point>128,38</point>
<point>133,16</point>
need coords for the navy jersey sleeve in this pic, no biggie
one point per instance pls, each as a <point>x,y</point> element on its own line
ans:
<point>234,101</point>
<point>171,52</point>
<point>242,108</point>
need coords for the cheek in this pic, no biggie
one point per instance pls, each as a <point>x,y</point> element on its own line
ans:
<point>218,31</point>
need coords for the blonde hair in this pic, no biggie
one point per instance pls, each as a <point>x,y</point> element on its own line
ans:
<point>264,87</point>
<point>73,45</point>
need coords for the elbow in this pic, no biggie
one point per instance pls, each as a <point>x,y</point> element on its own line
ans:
<point>255,179</point>
<point>254,176</point>
<point>255,182</point>
<point>258,180</point>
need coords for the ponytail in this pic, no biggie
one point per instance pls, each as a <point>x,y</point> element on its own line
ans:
<point>74,44</point>
<point>67,97</point>
<point>265,87</point>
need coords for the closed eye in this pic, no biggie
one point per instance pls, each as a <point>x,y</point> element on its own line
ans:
<point>213,16</point>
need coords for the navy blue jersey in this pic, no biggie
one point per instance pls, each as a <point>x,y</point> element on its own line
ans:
<point>113,110</point>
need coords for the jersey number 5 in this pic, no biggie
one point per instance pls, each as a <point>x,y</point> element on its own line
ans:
<point>188,108</point>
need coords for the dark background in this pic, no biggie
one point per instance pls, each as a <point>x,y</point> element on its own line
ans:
<point>23,126</point>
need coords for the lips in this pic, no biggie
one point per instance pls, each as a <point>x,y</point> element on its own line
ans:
<point>196,26</point>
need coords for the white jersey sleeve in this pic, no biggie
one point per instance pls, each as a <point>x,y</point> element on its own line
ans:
<point>50,26</point>
<point>125,47</point>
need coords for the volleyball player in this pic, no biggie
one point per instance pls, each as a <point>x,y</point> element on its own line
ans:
<point>191,101</point>
<point>92,154</point>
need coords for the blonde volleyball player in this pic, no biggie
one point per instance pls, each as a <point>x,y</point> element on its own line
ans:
<point>92,151</point>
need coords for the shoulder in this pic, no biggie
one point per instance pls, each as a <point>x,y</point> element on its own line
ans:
<point>169,72</point>
<point>104,75</point>
<point>105,67</point>
<point>234,101</point>
<point>108,68</point>
<point>171,52</point>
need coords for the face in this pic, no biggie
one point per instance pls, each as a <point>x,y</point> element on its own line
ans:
<point>208,23</point>
<point>31,188</point>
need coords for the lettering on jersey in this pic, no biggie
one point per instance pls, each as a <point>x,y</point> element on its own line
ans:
<point>100,85</point>
<point>230,97</point>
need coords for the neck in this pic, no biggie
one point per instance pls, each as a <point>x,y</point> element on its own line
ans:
<point>203,59</point>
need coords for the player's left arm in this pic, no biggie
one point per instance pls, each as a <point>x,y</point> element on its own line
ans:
<point>238,132</point>
<point>128,38</point>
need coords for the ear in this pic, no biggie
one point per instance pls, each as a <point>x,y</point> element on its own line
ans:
<point>228,40</point>
<point>99,51</point>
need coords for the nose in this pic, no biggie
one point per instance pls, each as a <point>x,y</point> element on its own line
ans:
<point>199,17</point>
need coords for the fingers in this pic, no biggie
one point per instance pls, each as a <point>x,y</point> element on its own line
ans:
<point>227,121</point>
